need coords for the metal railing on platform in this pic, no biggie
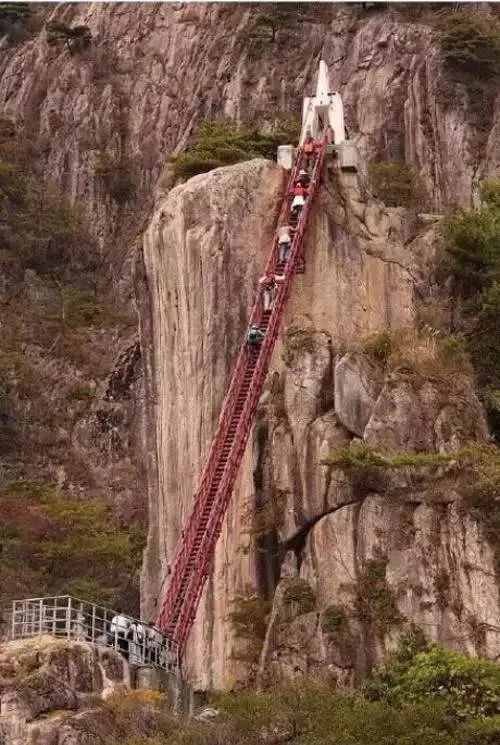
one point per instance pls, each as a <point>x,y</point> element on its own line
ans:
<point>65,617</point>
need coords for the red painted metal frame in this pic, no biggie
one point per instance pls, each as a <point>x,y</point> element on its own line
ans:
<point>195,551</point>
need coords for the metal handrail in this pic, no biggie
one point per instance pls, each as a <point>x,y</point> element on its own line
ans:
<point>64,616</point>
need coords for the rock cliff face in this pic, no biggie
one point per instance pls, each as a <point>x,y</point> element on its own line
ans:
<point>152,71</point>
<point>366,266</point>
<point>133,96</point>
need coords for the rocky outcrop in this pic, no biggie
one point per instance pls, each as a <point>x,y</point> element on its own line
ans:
<point>357,384</point>
<point>366,266</point>
<point>425,417</point>
<point>386,547</point>
<point>49,690</point>
<point>374,565</point>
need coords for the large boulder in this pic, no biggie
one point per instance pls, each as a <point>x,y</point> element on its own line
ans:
<point>47,684</point>
<point>357,383</point>
<point>425,415</point>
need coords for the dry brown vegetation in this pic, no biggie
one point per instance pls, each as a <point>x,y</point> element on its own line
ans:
<point>425,352</point>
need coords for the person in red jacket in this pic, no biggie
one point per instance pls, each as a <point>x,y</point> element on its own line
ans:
<point>300,190</point>
<point>318,144</point>
<point>267,286</point>
<point>299,194</point>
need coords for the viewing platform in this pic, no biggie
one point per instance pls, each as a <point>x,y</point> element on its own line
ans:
<point>66,617</point>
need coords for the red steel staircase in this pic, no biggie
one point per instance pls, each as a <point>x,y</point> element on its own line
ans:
<point>195,550</point>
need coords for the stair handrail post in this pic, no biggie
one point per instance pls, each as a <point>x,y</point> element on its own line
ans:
<point>68,617</point>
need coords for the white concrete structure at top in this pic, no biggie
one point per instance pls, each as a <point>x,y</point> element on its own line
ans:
<point>323,109</point>
<point>318,112</point>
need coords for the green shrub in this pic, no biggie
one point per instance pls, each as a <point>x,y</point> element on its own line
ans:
<point>116,175</point>
<point>379,346</point>
<point>15,20</point>
<point>126,706</point>
<point>472,242</point>
<point>397,184</point>
<point>453,349</point>
<point>470,43</point>
<point>355,455</point>
<point>490,192</point>
<point>334,620</point>
<point>287,128</point>
<point>80,393</point>
<point>76,38</point>
<point>249,622</point>
<point>472,239</point>
<point>464,687</point>
<point>424,353</point>
<point>482,732</point>
<point>272,17</point>
<point>492,405</point>
<point>267,517</point>
<point>305,714</point>
<point>63,544</point>
<point>315,715</point>
<point>249,616</point>
<point>299,592</point>
<point>40,229</point>
<point>191,164</point>
<point>412,642</point>
<point>375,603</point>
<point>481,496</point>
<point>215,144</point>
<point>484,342</point>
